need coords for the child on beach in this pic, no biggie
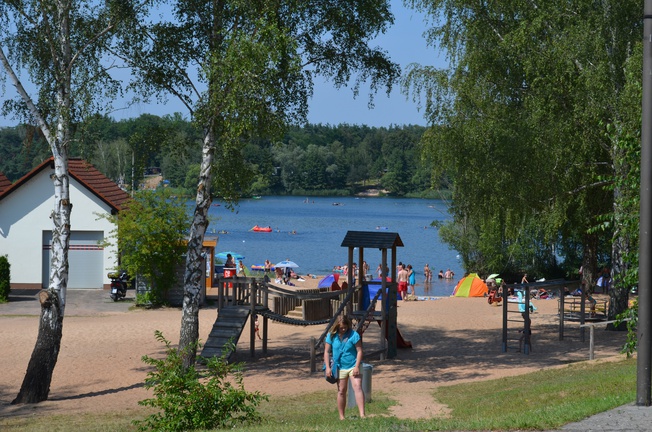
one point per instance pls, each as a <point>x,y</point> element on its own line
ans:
<point>257,327</point>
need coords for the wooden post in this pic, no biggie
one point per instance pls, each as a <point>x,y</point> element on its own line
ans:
<point>505,312</point>
<point>313,355</point>
<point>562,295</point>
<point>252,318</point>
<point>220,294</point>
<point>527,323</point>
<point>582,312</point>
<point>265,319</point>
<point>391,318</point>
<point>591,342</point>
<point>383,306</point>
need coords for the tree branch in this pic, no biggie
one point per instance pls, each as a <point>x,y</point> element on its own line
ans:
<point>23,94</point>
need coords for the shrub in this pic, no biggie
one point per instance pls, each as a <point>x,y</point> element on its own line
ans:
<point>631,314</point>
<point>5,278</point>
<point>150,239</point>
<point>191,400</point>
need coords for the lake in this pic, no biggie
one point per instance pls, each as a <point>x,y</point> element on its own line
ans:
<point>309,231</point>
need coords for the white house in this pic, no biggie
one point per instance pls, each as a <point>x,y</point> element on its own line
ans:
<point>26,227</point>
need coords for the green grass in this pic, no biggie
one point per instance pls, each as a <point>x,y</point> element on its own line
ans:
<point>546,399</point>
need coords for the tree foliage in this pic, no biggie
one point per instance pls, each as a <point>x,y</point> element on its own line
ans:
<point>521,116</point>
<point>244,70</point>
<point>150,238</point>
<point>189,399</point>
<point>346,158</point>
<point>5,278</point>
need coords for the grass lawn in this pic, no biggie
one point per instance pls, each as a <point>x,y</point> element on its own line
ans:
<point>542,400</point>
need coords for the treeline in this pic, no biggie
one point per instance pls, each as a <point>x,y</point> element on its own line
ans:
<point>313,159</point>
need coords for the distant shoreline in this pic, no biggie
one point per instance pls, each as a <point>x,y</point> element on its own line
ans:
<point>372,192</point>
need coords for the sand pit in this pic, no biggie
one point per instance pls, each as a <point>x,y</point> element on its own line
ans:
<point>454,340</point>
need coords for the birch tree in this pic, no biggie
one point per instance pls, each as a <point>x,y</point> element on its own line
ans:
<point>51,51</point>
<point>244,69</point>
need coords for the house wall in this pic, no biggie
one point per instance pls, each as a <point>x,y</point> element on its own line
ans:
<point>25,220</point>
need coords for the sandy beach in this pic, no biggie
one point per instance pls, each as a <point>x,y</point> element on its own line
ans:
<point>454,340</point>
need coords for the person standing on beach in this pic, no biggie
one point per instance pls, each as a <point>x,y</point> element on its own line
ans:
<point>347,351</point>
<point>242,270</point>
<point>402,282</point>
<point>412,279</point>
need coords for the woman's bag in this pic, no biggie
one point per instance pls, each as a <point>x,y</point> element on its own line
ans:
<point>334,376</point>
<point>335,365</point>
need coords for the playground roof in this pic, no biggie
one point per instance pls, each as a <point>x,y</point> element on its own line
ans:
<point>371,239</point>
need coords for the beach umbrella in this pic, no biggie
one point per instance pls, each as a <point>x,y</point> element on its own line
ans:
<point>222,256</point>
<point>328,280</point>
<point>286,264</point>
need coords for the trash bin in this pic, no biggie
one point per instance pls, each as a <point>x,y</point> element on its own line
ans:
<point>367,371</point>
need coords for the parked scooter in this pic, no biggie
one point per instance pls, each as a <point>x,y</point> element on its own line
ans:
<point>119,281</point>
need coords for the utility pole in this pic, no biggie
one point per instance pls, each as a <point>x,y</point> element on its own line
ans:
<point>644,359</point>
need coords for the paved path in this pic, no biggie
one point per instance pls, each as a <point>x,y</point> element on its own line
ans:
<point>78,302</point>
<point>626,418</point>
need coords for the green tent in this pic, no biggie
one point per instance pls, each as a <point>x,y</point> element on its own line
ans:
<point>470,286</point>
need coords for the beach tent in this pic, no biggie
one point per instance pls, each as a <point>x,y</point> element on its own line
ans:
<point>328,281</point>
<point>470,286</point>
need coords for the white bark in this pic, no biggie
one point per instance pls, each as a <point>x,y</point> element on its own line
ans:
<point>194,270</point>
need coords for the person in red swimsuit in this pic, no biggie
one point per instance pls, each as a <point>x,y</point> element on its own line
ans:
<point>403,282</point>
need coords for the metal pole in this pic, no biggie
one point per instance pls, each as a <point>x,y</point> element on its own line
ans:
<point>644,359</point>
<point>562,294</point>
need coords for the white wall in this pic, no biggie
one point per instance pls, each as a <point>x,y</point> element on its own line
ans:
<point>25,215</point>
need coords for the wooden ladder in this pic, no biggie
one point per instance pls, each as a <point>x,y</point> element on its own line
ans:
<point>229,325</point>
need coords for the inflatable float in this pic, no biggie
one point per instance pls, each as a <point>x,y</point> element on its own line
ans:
<point>261,267</point>
<point>262,229</point>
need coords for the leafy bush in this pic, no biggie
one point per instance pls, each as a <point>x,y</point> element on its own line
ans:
<point>191,400</point>
<point>631,314</point>
<point>150,239</point>
<point>5,278</point>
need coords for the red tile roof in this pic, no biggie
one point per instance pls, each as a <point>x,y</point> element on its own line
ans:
<point>4,183</point>
<point>87,175</point>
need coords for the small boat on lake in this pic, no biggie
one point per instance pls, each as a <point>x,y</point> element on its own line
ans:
<point>257,228</point>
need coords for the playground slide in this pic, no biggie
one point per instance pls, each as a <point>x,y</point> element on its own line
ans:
<point>400,341</point>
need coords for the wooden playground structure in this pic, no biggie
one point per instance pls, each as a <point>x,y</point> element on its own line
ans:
<point>583,309</point>
<point>364,301</point>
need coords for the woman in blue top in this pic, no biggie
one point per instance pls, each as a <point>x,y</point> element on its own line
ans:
<point>347,352</point>
<point>412,279</point>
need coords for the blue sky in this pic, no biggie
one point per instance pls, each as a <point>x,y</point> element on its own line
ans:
<point>405,44</point>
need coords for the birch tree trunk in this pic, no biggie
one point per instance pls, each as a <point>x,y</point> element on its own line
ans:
<point>36,384</point>
<point>194,269</point>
